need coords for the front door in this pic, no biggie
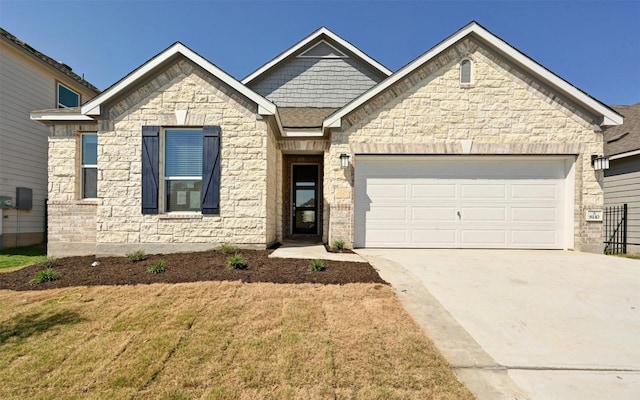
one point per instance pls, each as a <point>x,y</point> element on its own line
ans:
<point>305,199</point>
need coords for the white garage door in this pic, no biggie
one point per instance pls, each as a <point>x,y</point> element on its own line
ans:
<point>462,202</point>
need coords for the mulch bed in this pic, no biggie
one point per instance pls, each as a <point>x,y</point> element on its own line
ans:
<point>189,267</point>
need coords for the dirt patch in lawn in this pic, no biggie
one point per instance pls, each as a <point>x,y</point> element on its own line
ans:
<point>189,267</point>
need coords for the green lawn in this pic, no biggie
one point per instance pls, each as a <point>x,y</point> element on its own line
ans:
<point>21,256</point>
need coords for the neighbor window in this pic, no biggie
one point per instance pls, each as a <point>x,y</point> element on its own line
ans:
<point>67,97</point>
<point>465,72</point>
<point>89,165</point>
<point>183,169</point>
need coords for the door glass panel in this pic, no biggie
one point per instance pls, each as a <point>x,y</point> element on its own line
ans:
<point>305,188</point>
<point>305,197</point>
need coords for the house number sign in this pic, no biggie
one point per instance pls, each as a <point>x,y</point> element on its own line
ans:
<point>594,215</point>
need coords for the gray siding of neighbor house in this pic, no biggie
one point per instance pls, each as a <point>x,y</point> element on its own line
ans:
<point>316,82</point>
<point>622,185</point>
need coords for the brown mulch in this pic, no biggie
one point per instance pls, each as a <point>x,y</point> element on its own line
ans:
<point>189,267</point>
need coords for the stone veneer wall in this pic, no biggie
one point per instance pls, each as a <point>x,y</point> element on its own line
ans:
<point>120,225</point>
<point>503,111</point>
<point>71,220</point>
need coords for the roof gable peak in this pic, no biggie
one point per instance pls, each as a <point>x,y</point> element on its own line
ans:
<point>322,34</point>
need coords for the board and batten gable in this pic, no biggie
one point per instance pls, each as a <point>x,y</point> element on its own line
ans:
<point>203,100</point>
<point>27,83</point>
<point>321,75</point>
<point>504,111</point>
<point>622,186</point>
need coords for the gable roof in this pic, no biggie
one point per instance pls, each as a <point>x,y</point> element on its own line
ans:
<point>319,35</point>
<point>624,140</point>
<point>57,65</point>
<point>93,107</point>
<point>609,116</point>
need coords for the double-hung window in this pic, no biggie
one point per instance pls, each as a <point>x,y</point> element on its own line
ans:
<point>67,97</point>
<point>183,169</point>
<point>89,165</point>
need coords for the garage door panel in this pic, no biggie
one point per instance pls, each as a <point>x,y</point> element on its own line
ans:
<point>433,191</point>
<point>432,237</point>
<point>548,191</point>
<point>534,214</point>
<point>432,214</point>
<point>484,214</point>
<point>386,237</point>
<point>386,213</point>
<point>503,202</point>
<point>387,191</point>
<point>483,191</point>
<point>483,237</point>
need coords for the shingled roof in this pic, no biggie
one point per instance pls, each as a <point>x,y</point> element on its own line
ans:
<point>65,69</point>
<point>626,137</point>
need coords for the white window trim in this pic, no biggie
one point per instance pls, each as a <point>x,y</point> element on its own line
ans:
<point>69,89</point>
<point>163,178</point>
<point>86,166</point>
<point>471,74</point>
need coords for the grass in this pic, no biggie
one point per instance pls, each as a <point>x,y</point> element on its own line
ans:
<point>45,275</point>
<point>217,340</point>
<point>12,258</point>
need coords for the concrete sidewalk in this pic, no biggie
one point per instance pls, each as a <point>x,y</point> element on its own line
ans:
<point>525,324</point>
<point>312,251</point>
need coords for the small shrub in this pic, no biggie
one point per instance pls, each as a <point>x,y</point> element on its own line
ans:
<point>236,261</point>
<point>157,267</point>
<point>317,265</point>
<point>136,256</point>
<point>227,248</point>
<point>49,262</point>
<point>46,275</point>
<point>338,244</point>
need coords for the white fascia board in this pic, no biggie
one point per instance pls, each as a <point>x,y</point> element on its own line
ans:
<point>610,117</point>
<point>291,133</point>
<point>43,117</point>
<point>93,106</point>
<point>625,155</point>
<point>322,31</point>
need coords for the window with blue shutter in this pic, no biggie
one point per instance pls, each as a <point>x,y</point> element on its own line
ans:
<point>190,173</point>
<point>211,170</point>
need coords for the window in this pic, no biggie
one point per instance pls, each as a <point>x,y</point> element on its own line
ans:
<point>183,169</point>
<point>89,166</point>
<point>67,97</point>
<point>190,173</point>
<point>465,72</point>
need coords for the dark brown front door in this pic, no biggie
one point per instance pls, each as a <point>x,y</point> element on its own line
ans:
<point>305,199</point>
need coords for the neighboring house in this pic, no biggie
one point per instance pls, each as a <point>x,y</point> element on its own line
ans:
<point>29,80</point>
<point>471,145</point>
<point>622,179</point>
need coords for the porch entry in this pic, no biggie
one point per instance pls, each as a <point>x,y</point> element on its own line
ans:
<point>304,201</point>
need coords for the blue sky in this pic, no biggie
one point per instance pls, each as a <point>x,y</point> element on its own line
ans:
<point>595,45</point>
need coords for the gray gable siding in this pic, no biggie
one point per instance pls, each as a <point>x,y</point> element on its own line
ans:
<point>316,82</point>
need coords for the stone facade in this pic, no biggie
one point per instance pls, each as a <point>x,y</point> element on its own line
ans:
<point>502,112</point>
<point>116,224</point>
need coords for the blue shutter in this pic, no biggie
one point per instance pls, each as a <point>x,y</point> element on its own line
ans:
<point>150,140</point>
<point>211,170</point>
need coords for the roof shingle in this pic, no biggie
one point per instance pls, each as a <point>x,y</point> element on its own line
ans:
<point>626,137</point>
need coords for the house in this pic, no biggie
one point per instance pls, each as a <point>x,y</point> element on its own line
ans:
<point>622,179</point>
<point>471,145</point>
<point>28,80</point>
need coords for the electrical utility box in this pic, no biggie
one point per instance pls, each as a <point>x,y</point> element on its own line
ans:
<point>24,198</point>
<point>6,202</point>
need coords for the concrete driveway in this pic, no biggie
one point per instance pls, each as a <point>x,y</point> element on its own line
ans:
<point>526,324</point>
